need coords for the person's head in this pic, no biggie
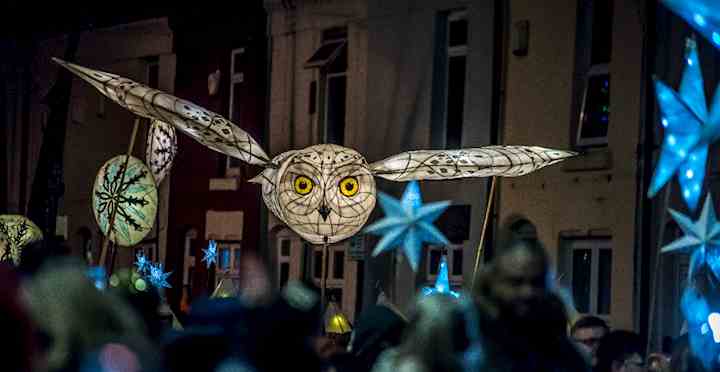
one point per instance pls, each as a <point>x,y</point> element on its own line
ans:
<point>517,276</point>
<point>620,351</point>
<point>435,334</point>
<point>587,333</point>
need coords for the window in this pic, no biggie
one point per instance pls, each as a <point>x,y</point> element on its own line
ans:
<point>590,275</point>
<point>229,257</point>
<point>453,255</point>
<point>234,166</point>
<point>593,46</point>
<point>335,262</point>
<point>450,78</point>
<point>331,59</point>
<point>153,73</point>
<point>189,258</point>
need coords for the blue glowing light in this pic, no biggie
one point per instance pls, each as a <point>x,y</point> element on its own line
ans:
<point>210,254</point>
<point>141,262</point>
<point>701,238</point>
<point>442,284</point>
<point>689,62</point>
<point>689,131</point>
<point>408,223</point>
<point>716,38</point>
<point>158,277</point>
<point>699,14</point>
<point>98,277</point>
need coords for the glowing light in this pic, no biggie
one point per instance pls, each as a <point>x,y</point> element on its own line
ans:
<point>141,262</point>
<point>693,158</point>
<point>682,154</point>
<point>700,20</point>
<point>686,193</point>
<point>210,254</point>
<point>704,329</point>
<point>690,62</point>
<point>671,140</point>
<point>689,174</point>
<point>158,277</point>
<point>442,284</point>
<point>696,188</point>
<point>407,224</point>
<point>664,122</point>
<point>716,38</point>
<point>714,322</point>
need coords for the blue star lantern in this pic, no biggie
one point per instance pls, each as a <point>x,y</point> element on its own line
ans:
<point>210,254</point>
<point>141,262</point>
<point>97,276</point>
<point>689,131</point>
<point>442,284</point>
<point>702,15</point>
<point>158,277</point>
<point>702,239</point>
<point>408,223</point>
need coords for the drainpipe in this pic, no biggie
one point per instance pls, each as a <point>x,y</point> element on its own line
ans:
<point>644,169</point>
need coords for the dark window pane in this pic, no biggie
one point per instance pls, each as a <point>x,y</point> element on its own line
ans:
<point>284,273</point>
<point>224,258</point>
<point>238,62</point>
<point>335,119</point>
<point>582,264</point>
<point>604,281</point>
<point>434,261</point>
<point>323,54</point>
<point>339,63</point>
<point>339,265</point>
<point>455,223</point>
<point>457,266</point>
<point>596,111</point>
<point>601,31</point>
<point>458,32</point>
<point>154,75</point>
<point>317,264</point>
<point>236,260</point>
<point>312,101</point>
<point>236,104</point>
<point>455,102</point>
<point>285,248</point>
<point>334,33</point>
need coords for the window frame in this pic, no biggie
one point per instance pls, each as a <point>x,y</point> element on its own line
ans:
<point>595,70</point>
<point>232,272</point>
<point>331,281</point>
<point>282,259</point>
<point>452,250</point>
<point>236,78</point>
<point>595,245</point>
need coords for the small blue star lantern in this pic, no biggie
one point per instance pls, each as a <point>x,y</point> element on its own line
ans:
<point>701,239</point>
<point>210,254</point>
<point>408,224</point>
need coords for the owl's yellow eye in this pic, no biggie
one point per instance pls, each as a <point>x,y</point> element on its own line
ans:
<point>303,185</point>
<point>349,186</point>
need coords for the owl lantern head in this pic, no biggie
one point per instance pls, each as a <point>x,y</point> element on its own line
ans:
<point>325,193</point>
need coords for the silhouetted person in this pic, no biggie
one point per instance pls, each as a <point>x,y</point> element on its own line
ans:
<point>523,325</point>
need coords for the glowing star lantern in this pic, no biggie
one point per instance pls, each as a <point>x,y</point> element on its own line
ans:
<point>442,284</point>
<point>702,15</point>
<point>701,240</point>
<point>408,223</point>
<point>16,232</point>
<point>142,263</point>
<point>703,326</point>
<point>133,196</point>
<point>158,277</point>
<point>98,277</point>
<point>210,254</point>
<point>689,131</point>
<point>325,193</point>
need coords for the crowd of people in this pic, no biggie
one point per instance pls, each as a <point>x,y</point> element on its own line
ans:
<point>57,318</point>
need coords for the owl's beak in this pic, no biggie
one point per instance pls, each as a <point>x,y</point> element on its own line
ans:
<point>324,212</point>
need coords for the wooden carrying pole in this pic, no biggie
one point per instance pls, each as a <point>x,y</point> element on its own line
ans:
<point>111,230</point>
<point>488,208</point>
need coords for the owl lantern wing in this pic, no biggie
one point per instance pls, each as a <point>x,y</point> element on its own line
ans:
<point>206,127</point>
<point>488,161</point>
